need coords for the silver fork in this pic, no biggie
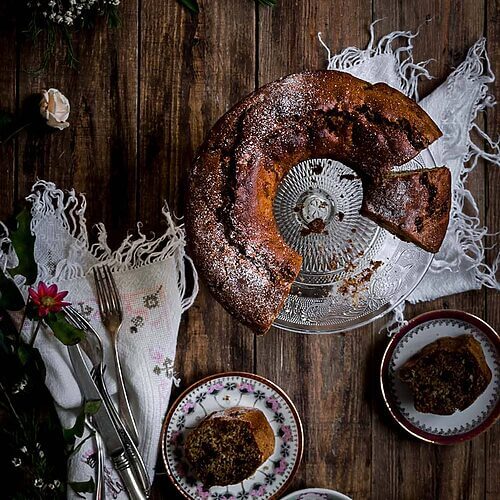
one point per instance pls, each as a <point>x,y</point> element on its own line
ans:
<point>111,315</point>
<point>93,348</point>
<point>99,487</point>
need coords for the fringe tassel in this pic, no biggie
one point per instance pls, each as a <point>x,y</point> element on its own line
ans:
<point>465,230</point>
<point>67,209</point>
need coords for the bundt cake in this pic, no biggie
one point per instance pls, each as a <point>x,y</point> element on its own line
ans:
<point>415,206</point>
<point>228,446</point>
<point>447,375</point>
<point>230,224</point>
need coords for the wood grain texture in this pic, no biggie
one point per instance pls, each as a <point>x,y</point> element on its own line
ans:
<point>97,153</point>
<point>492,221</point>
<point>8,104</point>
<point>193,69</point>
<point>412,469</point>
<point>142,101</point>
<point>324,375</point>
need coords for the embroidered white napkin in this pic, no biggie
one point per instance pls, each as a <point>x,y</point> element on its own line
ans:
<point>459,266</point>
<point>150,276</point>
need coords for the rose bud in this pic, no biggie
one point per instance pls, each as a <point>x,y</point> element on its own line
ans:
<point>54,107</point>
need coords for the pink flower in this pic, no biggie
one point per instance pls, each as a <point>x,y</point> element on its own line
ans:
<point>273,403</point>
<point>286,433</point>
<point>246,387</point>
<point>47,299</point>
<point>281,468</point>
<point>201,492</point>
<point>215,388</point>
<point>188,407</point>
<point>258,492</point>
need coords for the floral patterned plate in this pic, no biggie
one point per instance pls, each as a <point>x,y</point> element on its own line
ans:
<point>441,429</point>
<point>316,494</point>
<point>224,391</point>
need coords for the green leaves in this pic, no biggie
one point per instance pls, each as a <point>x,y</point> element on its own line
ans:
<point>24,245</point>
<point>11,298</point>
<point>83,487</point>
<point>89,408</point>
<point>64,331</point>
<point>192,5</point>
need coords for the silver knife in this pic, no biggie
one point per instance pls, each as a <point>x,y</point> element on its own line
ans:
<point>102,419</point>
<point>95,358</point>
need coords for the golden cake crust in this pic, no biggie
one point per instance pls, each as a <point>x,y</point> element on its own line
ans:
<point>232,233</point>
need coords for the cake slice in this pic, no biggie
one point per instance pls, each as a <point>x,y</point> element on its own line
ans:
<point>447,375</point>
<point>415,206</point>
<point>228,446</point>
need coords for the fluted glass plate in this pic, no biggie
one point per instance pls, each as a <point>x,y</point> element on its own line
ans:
<point>353,271</point>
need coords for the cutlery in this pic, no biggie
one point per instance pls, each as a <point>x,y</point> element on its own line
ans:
<point>92,346</point>
<point>110,309</point>
<point>99,487</point>
<point>106,427</point>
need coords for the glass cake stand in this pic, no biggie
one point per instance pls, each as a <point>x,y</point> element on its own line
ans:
<point>353,272</point>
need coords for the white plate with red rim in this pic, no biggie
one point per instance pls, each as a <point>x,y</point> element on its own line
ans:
<point>316,494</point>
<point>227,390</point>
<point>420,331</point>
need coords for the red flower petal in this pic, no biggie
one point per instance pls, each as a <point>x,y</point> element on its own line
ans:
<point>52,290</point>
<point>43,311</point>
<point>42,288</point>
<point>32,293</point>
<point>60,295</point>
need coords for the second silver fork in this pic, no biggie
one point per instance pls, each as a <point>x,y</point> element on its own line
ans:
<point>112,316</point>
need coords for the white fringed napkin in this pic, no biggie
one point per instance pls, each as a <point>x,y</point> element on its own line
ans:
<point>459,266</point>
<point>150,276</point>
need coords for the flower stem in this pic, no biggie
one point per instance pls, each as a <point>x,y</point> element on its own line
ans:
<point>20,129</point>
<point>33,337</point>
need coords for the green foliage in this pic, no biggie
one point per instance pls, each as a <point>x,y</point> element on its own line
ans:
<point>83,487</point>
<point>30,432</point>
<point>24,245</point>
<point>11,298</point>
<point>89,408</point>
<point>192,5</point>
<point>64,331</point>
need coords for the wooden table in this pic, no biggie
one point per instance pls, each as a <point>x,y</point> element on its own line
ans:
<point>142,100</point>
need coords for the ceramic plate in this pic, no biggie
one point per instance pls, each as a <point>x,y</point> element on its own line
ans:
<point>225,391</point>
<point>316,494</point>
<point>441,429</point>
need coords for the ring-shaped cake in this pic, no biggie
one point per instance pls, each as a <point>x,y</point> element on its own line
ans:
<point>231,229</point>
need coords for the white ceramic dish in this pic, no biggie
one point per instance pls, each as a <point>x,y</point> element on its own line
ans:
<point>227,390</point>
<point>316,494</point>
<point>420,331</point>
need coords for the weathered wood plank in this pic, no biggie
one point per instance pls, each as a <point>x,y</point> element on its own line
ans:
<point>324,375</point>
<point>8,104</point>
<point>402,466</point>
<point>97,153</point>
<point>492,458</point>
<point>193,69</point>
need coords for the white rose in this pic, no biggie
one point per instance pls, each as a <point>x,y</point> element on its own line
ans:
<point>54,107</point>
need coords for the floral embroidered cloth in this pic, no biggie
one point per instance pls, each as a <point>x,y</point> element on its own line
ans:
<point>150,276</point>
